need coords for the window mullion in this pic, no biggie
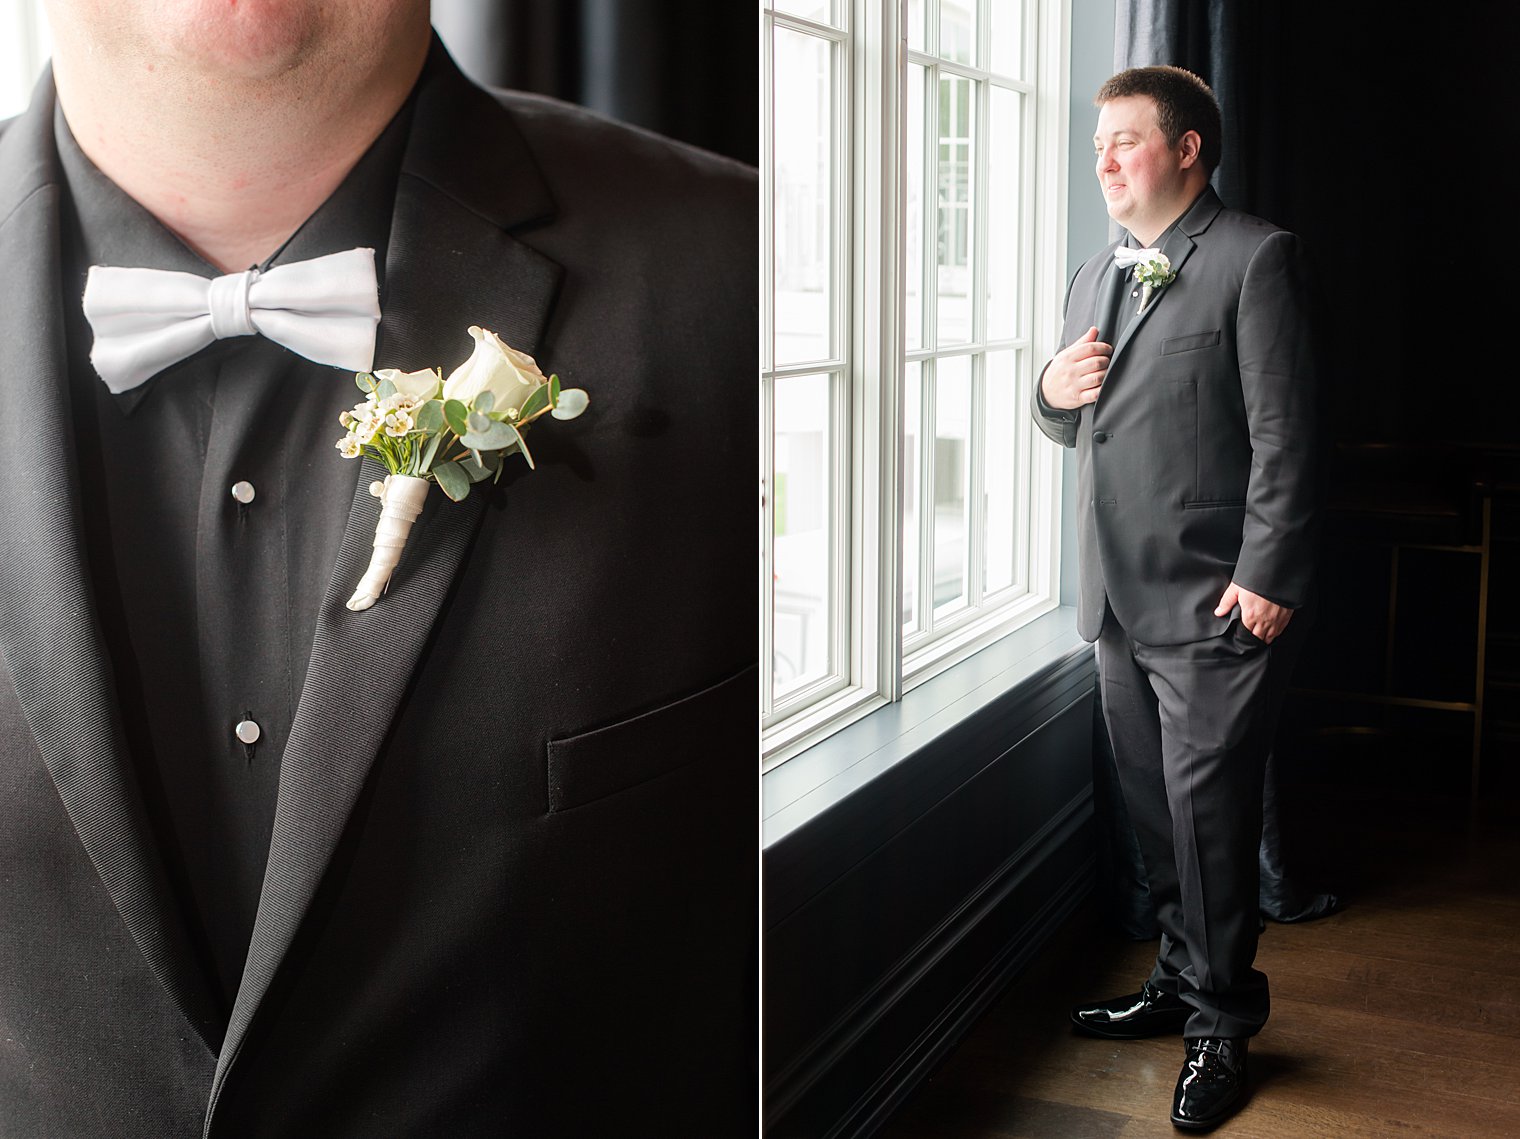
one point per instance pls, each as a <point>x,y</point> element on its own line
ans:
<point>976,505</point>
<point>888,78</point>
<point>928,435</point>
<point>767,543</point>
<point>845,396</point>
<point>767,356</point>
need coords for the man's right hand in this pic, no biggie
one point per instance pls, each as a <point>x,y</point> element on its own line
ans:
<point>1075,374</point>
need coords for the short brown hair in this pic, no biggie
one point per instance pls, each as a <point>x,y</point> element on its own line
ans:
<point>1183,103</point>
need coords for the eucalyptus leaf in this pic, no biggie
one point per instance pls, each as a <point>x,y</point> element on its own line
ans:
<point>430,451</point>
<point>452,480</point>
<point>554,390</point>
<point>494,436</point>
<point>430,417</point>
<point>572,401</point>
<point>474,469</point>
<point>535,402</point>
<point>523,446</point>
<point>457,416</point>
<point>485,401</point>
<point>479,422</point>
<point>365,381</point>
<point>385,389</point>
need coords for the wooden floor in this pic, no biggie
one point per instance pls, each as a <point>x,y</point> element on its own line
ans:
<point>1399,1016</point>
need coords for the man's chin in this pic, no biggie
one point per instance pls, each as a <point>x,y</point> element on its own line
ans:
<point>248,41</point>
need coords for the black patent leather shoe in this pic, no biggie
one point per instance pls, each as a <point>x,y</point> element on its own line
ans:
<point>1150,1012</point>
<point>1212,1085</point>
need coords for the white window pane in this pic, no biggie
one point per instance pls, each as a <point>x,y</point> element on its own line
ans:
<point>805,520</point>
<point>918,11</point>
<point>1006,20</point>
<point>914,198</point>
<point>1004,210</point>
<point>819,11</point>
<point>954,178</point>
<point>957,30</point>
<point>913,485</point>
<point>805,197</point>
<point>952,471</point>
<point>999,480</point>
<point>24,44</point>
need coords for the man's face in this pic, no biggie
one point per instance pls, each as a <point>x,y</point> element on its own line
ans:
<point>1145,181</point>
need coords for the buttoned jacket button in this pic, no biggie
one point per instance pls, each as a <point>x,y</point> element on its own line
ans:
<point>243,492</point>
<point>1100,436</point>
<point>247,731</point>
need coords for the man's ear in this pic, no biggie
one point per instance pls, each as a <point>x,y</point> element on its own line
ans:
<point>1191,146</point>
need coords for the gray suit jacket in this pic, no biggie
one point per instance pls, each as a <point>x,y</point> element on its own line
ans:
<point>510,887</point>
<point>1196,464</point>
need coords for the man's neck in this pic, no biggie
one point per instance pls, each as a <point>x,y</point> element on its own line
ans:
<point>1155,232</point>
<point>233,168</point>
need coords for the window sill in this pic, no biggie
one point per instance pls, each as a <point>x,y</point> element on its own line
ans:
<point>812,783</point>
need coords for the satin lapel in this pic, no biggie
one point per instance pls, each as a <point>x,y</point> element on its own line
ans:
<point>49,634</point>
<point>450,263</point>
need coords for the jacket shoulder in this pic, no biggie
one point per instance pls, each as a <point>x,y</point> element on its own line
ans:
<point>1246,230</point>
<point>587,153</point>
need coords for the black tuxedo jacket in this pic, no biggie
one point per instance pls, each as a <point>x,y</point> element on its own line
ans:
<point>1196,464</point>
<point>510,889</point>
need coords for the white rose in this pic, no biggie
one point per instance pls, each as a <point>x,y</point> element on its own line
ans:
<point>418,386</point>
<point>509,375</point>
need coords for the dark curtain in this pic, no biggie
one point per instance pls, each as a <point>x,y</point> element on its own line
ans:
<point>687,69</point>
<point>1375,132</point>
<point>1206,37</point>
<point>1224,42</point>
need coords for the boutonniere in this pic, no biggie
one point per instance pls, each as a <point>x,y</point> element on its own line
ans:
<point>1154,272</point>
<point>454,432</point>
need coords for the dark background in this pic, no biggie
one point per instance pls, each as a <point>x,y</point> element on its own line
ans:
<point>1380,135</point>
<point>688,69</point>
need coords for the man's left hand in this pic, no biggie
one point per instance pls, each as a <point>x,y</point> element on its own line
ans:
<point>1265,619</point>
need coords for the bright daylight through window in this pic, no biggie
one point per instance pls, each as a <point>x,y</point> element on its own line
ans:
<point>913,282</point>
<point>24,45</point>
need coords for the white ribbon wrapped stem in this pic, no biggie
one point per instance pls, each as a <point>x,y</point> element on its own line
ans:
<point>401,502</point>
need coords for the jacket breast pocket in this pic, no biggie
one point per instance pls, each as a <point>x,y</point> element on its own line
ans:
<point>1192,342</point>
<point>706,726</point>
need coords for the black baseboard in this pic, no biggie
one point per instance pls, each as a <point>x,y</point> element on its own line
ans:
<point>877,975</point>
<point>945,1031</point>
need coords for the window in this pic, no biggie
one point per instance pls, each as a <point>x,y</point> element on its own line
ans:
<point>913,275</point>
<point>24,46</point>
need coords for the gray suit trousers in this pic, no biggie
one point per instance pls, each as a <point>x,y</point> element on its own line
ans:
<point>1191,726</point>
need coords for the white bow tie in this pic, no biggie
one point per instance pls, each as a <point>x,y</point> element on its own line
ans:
<point>1125,257</point>
<point>325,309</point>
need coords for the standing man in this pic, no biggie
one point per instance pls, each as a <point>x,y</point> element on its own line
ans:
<point>1186,383</point>
<point>479,860</point>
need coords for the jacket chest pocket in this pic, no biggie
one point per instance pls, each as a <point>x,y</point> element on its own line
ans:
<point>1191,342</point>
<point>593,765</point>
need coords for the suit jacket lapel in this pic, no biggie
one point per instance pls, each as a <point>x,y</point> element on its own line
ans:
<point>49,634</point>
<point>450,263</point>
<point>1178,248</point>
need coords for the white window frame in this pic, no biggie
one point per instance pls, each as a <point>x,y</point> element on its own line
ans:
<point>869,260</point>
<point>25,45</point>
